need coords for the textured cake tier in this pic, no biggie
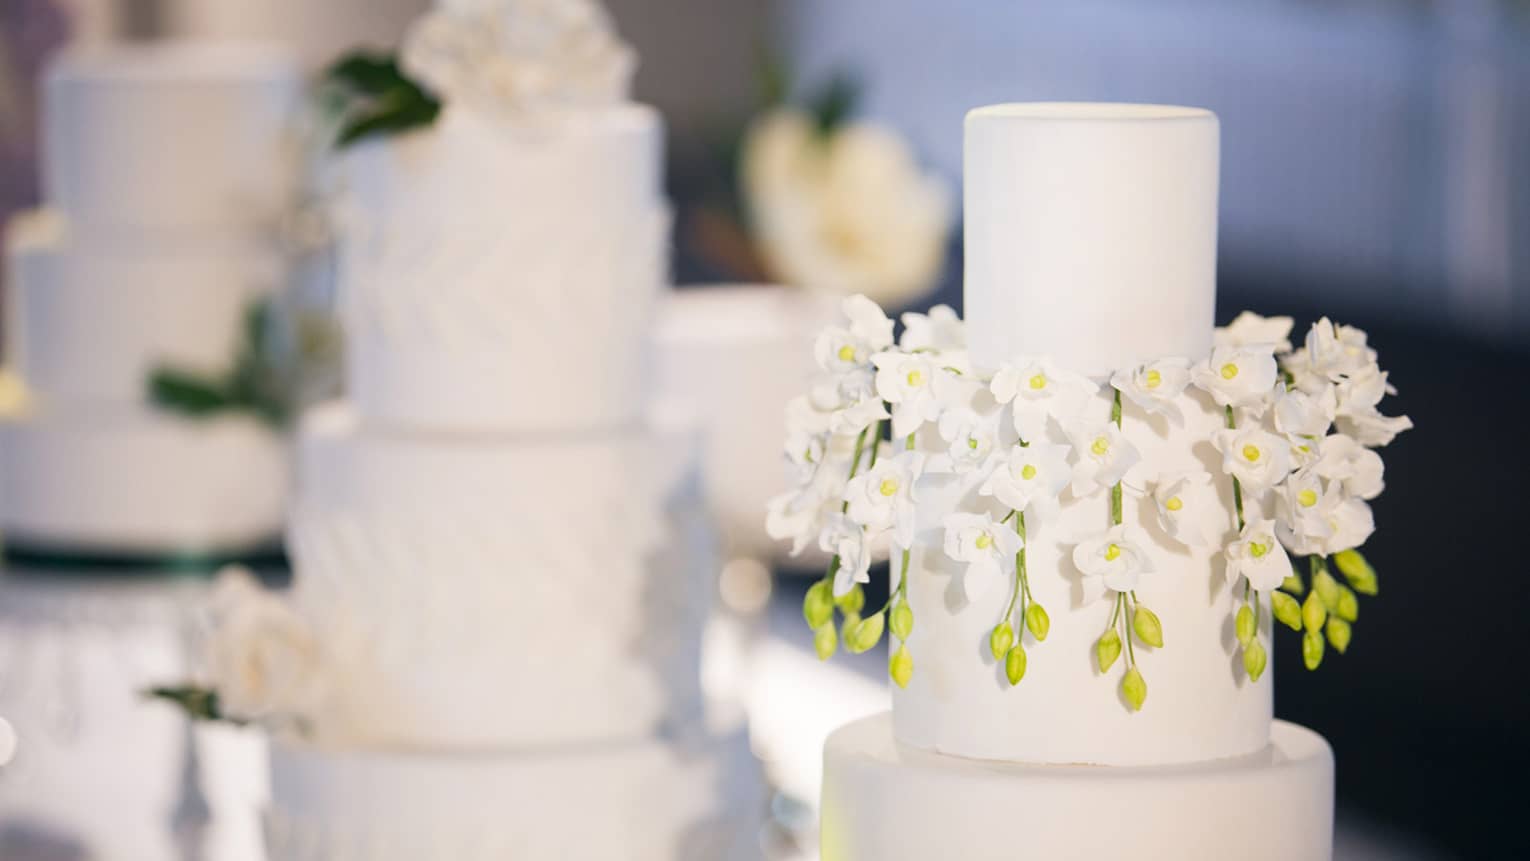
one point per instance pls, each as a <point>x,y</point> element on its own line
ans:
<point>1091,233</point>
<point>169,136</point>
<point>887,802</point>
<point>499,278</point>
<point>90,322</point>
<point>131,480</point>
<point>479,591</point>
<point>654,799</point>
<point>1201,705</point>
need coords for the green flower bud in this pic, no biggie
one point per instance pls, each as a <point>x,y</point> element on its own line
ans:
<point>818,606</point>
<point>1255,659</point>
<point>1037,621</point>
<point>1134,688</point>
<point>1107,649</point>
<point>1339,633</point>
<point>1348,607</point>
<point>825,641</point>
<point>1000,640</point>
<point>853,601</point>
<point>1147,626</point>
<point>1314,614</point>
<point>1245,625</point>
<point>901,666</point>
<point>1287,610</point>
<point>1357,571</point>
<point>866,634</point>
<point>1293,584</point>
<point>901,621</point>
<point>1327,589</point>
<point>1312,649</point>
<point>1014,664</point>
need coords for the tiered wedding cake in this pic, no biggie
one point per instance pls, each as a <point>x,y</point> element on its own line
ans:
<point>1093,494</point>
<point>502,563</point>
<point>165,173</point>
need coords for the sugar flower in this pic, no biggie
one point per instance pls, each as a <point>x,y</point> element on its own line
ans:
<point>1102,456</point>
<point>882,498</point>
<point>940,331</point>
<point>1334,351</point>
<point>1155,385</point>
<point>1373,428</point>
<point>1257,458</point>
<point>1257,555</point>
<point>847,540</point>
<point>264,658</point>
<point>844,349</point>
<point>1249,329</point>
<point>909,382</point>
<point>970,437</point>
<point>1343,459</point>
<point>1238,376</point>
<point>986,545</point>
<point>1304,414</point>
<point>1038,390</point>
<point>1343,524</point>
<point>1029,478</point>
<point>1113,560</point>
<point>1187,506</point>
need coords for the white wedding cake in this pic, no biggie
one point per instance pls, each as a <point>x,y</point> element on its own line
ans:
<point>502,564</point>
<point>165,172</point>
<point>1089,493</point>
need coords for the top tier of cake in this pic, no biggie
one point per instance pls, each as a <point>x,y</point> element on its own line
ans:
<point>1091,233</point>
<point>169,137</point>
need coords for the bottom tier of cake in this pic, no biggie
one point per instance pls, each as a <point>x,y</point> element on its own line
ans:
<point>698,798</point>
<point>137,482</point>
<point>888,802</point>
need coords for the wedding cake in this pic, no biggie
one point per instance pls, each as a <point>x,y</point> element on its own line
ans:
<point>502,563</point>
<point>164,172</point>
<point>1089,493</point>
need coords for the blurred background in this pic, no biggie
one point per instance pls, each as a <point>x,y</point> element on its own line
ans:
<point>1373,169</point>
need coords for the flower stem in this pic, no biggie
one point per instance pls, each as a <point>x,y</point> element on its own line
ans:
<point>1115,491</point>
<point>1232,424</point>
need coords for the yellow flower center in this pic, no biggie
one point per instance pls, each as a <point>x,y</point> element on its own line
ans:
<point>1251,452</point>
<point>1039,382</point>
<point>1153,379</point>
<point>972,443</point>
<point>1307,498</point>
<point>1028,472</point>
<point>1174,503</point>
<point>1101,446</point>
<point>1112,552</point>
<point>846,353</point>
<point>916,378</point>
<point>889,486</point>
<point>1229,371</point>
<point>1256,550</point>
<point>984,541</point>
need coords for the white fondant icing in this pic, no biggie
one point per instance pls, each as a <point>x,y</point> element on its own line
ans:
<point>169,137</point>
<point>887,802</point>
<point>499,591</point>
<point>133,480</point>
<point>1090,233</point>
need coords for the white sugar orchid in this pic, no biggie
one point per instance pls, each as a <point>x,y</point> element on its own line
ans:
<point>1029,479</point>
<point>1299,413</point>
<point>1257,458</point>
<point>799,514</point>
<point>1335,351</point>
<point>1343,524</point>
<point>806,437</point>
<point>1358,395</point>
<point>1248,329</point>
<point>1187,506</point>
<point>986,545</point>
<point>1373,428</point>
<point>1306,502</point>
<point>847,540</point>
<point>1155,385</point>
<point>1241,377</point>
<point>1102,455</point>
<point>970,437</point>
<point>1112,561</point>
<point>939,331</point>
<point>1037,390</point>
<point>910,382</point>
<point>1258,556</point>
<point>882,498</point>
<point>845,349</point>
<point>1343,459</point>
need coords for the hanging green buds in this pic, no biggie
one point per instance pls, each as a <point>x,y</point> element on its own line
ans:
<point>999,641</point>
<point>866,633</point>
<point>1245,625</point>
<point>1312,649</point>
<point>1293,584</point>
<point>1287,610</point>
<point>1147,626</point>
<point>1339,633</point>
<point>853,601</point>
<point>1314,614</point>
<point>1326,588</point>
<point>1255,659</point>
<point>1107,649</point>
<point>1357,571</point>
<point>1348,605</point>
<point>1134,689</point>
<point>1014,665</point>
<point>825,641</point>
<point>818,606</point>
<point>1037,621</point>
<point>901,666</point>
<point>900,621</point>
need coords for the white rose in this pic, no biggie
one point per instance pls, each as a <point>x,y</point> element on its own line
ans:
<point>263,658</point>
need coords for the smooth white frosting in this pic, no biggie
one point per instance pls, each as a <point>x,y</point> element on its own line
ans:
<point>1090,232</point>
<point>887,802</point>
<point>487,591</point>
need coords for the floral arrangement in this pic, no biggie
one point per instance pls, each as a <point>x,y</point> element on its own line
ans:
<point>1297,448</point>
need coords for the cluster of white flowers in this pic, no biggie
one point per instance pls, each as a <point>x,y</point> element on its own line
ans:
<point>1300,428</point>
<point>517,59</point>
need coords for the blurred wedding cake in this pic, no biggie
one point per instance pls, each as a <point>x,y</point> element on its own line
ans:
<point>1089,493</point>
<point>502,561</point>
<point>165,174</point>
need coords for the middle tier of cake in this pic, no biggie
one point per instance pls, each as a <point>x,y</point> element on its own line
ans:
<point>489,591</point>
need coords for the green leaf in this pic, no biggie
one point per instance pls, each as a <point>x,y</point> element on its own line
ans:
<point>825,641</point>
<point>818,605</point>
<point>187,393</point>
<point>1014,664</point>
<point>1037,621</point>
<point>853,601</point>
<point>901,666</point>
<point>1314,614</point>
<point>1339,633</point>
<point>394,113</point>
<point>1000,639</point>
<point>1255,659</point>
<point>199,703</point>
<point>1287,610</point>
<point>866,634</point>
<point>1356,570</point>
<point>366,72</point>
<point>1134,689</point>
<point>835,103</point>
<point>1149,630</point>
<point>775,79</point>
<point>1312,649</point>
<point>1246,626</point>
<point>901,621</point>
<point>1107,649</point>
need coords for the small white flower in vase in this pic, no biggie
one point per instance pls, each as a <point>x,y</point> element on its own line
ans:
<point>264,658</point>
<point>1249,329</point>
<point>1037,390</point>
<point>882,498</point>
<point>1029,478</point>
<point>1257,555</point>
<point>1154,386</point>
<point>1239,377</point>
<point>1257,458</point>
<point>986,545</point>
<point>847,539</point>
<point>1103,455</point>
<point>1187,504</point>
<point>1112,561</point>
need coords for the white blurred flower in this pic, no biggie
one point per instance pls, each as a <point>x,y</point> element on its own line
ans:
<point>1257,458</point>
<point>1029,479</point>
<point>1187,504</point>
<point>1257,555</point>
<point>940,331</point>
<point>1240,377</point>
<point>799,514</point>
<point>14,397</point>
<point>519,59</point>
<point>263,657</point>
<point>882,498</point>
<point>1248,329</point>
<point>848,540</point>
<point>970,437</point>
<point>1037,390</point>
<point>986,545</point>
<point>1155,385</point>
<point>909,382</point>
<point>1343,459</point>
<point>7,742</point>
<point>1102,456</point>
<point>848,214</point>
<point>1113,560</point>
